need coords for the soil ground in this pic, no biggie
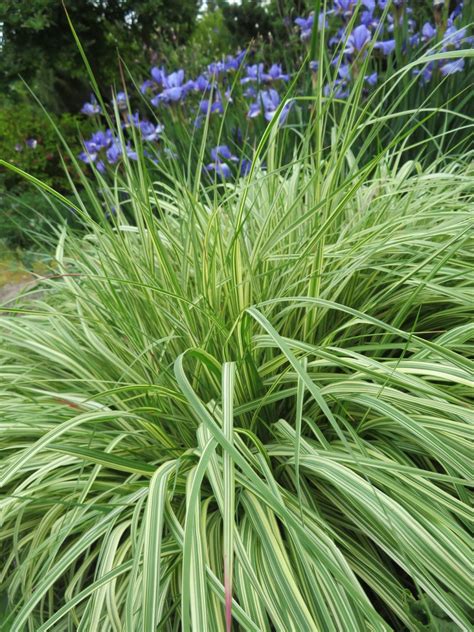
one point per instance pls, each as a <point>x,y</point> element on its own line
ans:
<point>14,274</point>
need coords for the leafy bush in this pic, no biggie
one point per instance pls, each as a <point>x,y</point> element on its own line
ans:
<point>30,143</point>
<point>247,402</point>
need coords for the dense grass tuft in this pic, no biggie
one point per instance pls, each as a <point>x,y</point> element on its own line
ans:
<point>246,403</point>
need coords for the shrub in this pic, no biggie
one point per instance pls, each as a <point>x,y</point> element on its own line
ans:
<point>30,143</point>
<point>247,402</point>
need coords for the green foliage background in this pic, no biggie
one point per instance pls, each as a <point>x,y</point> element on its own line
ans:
<point>39,47</point>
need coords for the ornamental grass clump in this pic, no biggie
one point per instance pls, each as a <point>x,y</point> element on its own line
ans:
<point>245,406</point>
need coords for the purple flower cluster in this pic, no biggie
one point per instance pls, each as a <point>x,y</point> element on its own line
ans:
<point>208,94</point>
<point>103,147</point>
<point>268,102</point>
<point>453,38</point>
<point>360,27</point>
<point>221,156</point>
<point>173,88</point>
<point>213,87</point>
<point>91,108</point>
<point>362,36</point>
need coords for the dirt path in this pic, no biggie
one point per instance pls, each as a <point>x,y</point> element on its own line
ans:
<point>16,274</point>
<point>10,290</point>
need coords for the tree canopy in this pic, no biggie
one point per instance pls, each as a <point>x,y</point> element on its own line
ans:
<point>38,46</point>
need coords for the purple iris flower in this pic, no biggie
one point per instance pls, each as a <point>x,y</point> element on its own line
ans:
<point>216,68</point>
<point>368,19</point>
<point>428,32</point>
<point>147,85</point>
<point>457,11</point>
<point>18,147</point>
<point>454,37</point>
<point>174,80</point>
<point>131,153</point>
<point>241,55</point>
<point>245,167</point>
<point>218,155</point>
<point>314,66</point>
<point>91,108</point>
<point>253,73</point>
<point>275,73</point>
<point>216,106</point>
<point>114,152</point>
<point>306,26</point>
<point>150,131</point>
<point>87,157</point>
<point>132,119</point>
<point>357,40</point>
<point>223,152</point>
<point>121,99</point>
<point>220,168</point>
<point>201,84</point>
<point>344,72</point>
<point>99,140</point>
<point>254,109</point>
<point>338,89</point>
<point>32,143</point>
<point>369,5</point>
<point>91,147</point>
<point>346,7</point>
<point>100,166</point>
<point>270,101</point>
<point>343,6</point>
<point>451,67</point>
<point>158,75</point>
<point>173,88</point>
<point>371,79</point>
<point>426,73</point>
<point>233,62</point>
<point>386,47</point>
